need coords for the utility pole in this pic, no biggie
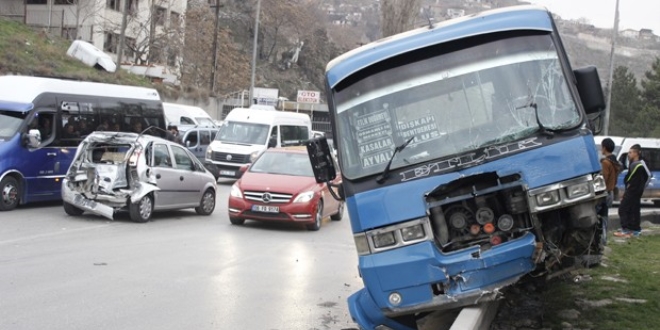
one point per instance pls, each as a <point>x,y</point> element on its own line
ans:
<point>122,36</point>
<point>215,47</point>
<point>254,51</point>
<point>615,33</point>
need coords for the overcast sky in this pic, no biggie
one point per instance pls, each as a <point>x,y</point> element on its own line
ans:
<point>633,14</point>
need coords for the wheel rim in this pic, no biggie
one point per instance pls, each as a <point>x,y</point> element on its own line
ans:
<point>9,194</point>
<point>208,202</point>
<point>145,207</point>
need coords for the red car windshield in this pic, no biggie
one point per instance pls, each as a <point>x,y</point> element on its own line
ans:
<point>284,163</point>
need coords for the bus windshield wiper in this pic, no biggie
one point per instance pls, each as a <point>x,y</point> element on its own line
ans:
<point>386,173</point>
<point>531,104</point>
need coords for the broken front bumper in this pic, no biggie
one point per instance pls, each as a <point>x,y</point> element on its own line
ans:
<point>420,278</point>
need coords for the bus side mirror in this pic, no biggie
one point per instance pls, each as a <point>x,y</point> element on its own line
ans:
<point>33,138</point>
<point>591,95</point>
<point>321,159</point>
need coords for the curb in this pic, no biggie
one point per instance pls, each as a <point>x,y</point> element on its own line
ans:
<point>477,317</point>
<point>648,215</point>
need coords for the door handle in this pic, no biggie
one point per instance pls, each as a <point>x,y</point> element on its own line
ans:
<point>51,154</point>
<point>157,176</point>
<point>181,178</point>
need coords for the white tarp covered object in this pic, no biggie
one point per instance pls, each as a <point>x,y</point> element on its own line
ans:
<point>91,55</point>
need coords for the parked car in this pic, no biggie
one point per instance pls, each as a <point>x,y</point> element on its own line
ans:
<point>280,186</point>
<point>138,173</point>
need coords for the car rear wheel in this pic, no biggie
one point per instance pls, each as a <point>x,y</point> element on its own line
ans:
<point>340,213</point>
<point>72,210</point>
<point>9,189</point>
<point>236,221</point>
<point>207,204</point>
<point>318,218</point>
<point>142,210</point>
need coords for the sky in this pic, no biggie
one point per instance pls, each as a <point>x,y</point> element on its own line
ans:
<point>633,14</point>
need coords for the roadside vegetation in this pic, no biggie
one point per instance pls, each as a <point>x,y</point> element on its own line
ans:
<point>620,294</point>
<point>32,52</point>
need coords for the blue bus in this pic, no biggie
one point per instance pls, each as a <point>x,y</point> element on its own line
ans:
<point>42,121</point>
<point>468,161</point>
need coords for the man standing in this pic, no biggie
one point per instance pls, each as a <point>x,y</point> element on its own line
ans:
<point>635,181</point>
<point>611,169</point>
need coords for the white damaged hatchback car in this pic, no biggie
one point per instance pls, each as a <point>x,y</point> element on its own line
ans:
<point>140,173</point>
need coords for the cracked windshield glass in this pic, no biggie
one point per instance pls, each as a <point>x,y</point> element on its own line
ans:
<point>494,93</point>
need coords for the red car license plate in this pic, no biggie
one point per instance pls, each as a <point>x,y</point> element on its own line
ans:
<point>267,209</point>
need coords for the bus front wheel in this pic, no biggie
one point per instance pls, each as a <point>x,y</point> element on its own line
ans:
<point>9,189</point>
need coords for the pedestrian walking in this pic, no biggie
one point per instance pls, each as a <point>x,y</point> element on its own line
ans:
<point>610,169</point>
<point>635,182</point>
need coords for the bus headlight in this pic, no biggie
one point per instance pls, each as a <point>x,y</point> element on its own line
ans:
<point>395,236</point>
<point>599,183</point>
<point>547,198</point>
<point>578,190</point>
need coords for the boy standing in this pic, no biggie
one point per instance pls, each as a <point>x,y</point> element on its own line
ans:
<point>611,169</point>
<point>635,181</point>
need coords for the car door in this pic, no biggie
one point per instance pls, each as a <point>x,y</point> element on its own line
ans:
<point>167,177</point>
<point>190,182</point>
<point>191,141</point>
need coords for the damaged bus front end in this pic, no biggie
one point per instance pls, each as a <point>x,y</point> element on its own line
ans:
<point>467,160</point>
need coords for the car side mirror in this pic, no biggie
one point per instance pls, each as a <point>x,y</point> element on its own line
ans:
<point>33,138</point>
<point>321,159</point>
<point>188,143</point>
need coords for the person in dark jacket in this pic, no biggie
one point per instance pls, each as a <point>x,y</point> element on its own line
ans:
<point>610,169</point>
<point>635,181</point>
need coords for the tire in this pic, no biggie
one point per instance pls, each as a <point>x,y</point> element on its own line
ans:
<point>207,204</point>
<point>340,213</point>
<point>9,193</point>
<point>318,218</point>
<point>72,210</point>
<point>236,221</point>
<point>141,211</point>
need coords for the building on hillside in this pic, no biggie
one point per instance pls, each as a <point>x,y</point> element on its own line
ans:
<point>629,33</point>
<point>154,31</point>
<point>646,34</point>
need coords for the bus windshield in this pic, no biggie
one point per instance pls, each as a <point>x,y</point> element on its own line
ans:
<point>242,133</point>
<point>485,95</point>
<point>10,122</point>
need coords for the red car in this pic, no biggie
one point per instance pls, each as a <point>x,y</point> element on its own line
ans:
<point>280,186</point>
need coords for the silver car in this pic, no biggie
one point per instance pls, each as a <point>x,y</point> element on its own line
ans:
<point>114,171</point>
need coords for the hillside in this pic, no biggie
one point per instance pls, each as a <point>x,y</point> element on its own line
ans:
<point>28,51</point>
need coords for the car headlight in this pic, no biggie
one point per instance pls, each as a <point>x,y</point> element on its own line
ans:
<point>304,197</point>
<point>547,198</point>
<point>209,152</point>
<point>577,190</point>
<point>253,156</point>
<point>235,191</point>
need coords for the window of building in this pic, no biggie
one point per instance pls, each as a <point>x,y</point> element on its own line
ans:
<point>110,43</point>
<point>37,2</point>
<point>65,2</point>
<point>129,49</point>
<point>161,16</point>
<point>114,4</point>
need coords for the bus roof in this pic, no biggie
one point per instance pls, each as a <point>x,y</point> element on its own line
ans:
<point>24,89</point>
<point>524,17</point>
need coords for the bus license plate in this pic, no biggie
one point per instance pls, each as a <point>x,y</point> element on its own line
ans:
<point>267,209</point>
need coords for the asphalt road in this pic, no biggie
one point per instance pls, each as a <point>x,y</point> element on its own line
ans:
<point>179,271</point>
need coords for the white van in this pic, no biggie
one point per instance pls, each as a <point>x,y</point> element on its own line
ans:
<point>245,133</point>
<point>186,116</point>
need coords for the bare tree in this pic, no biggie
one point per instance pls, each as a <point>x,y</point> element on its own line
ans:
<point>398,15</point>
